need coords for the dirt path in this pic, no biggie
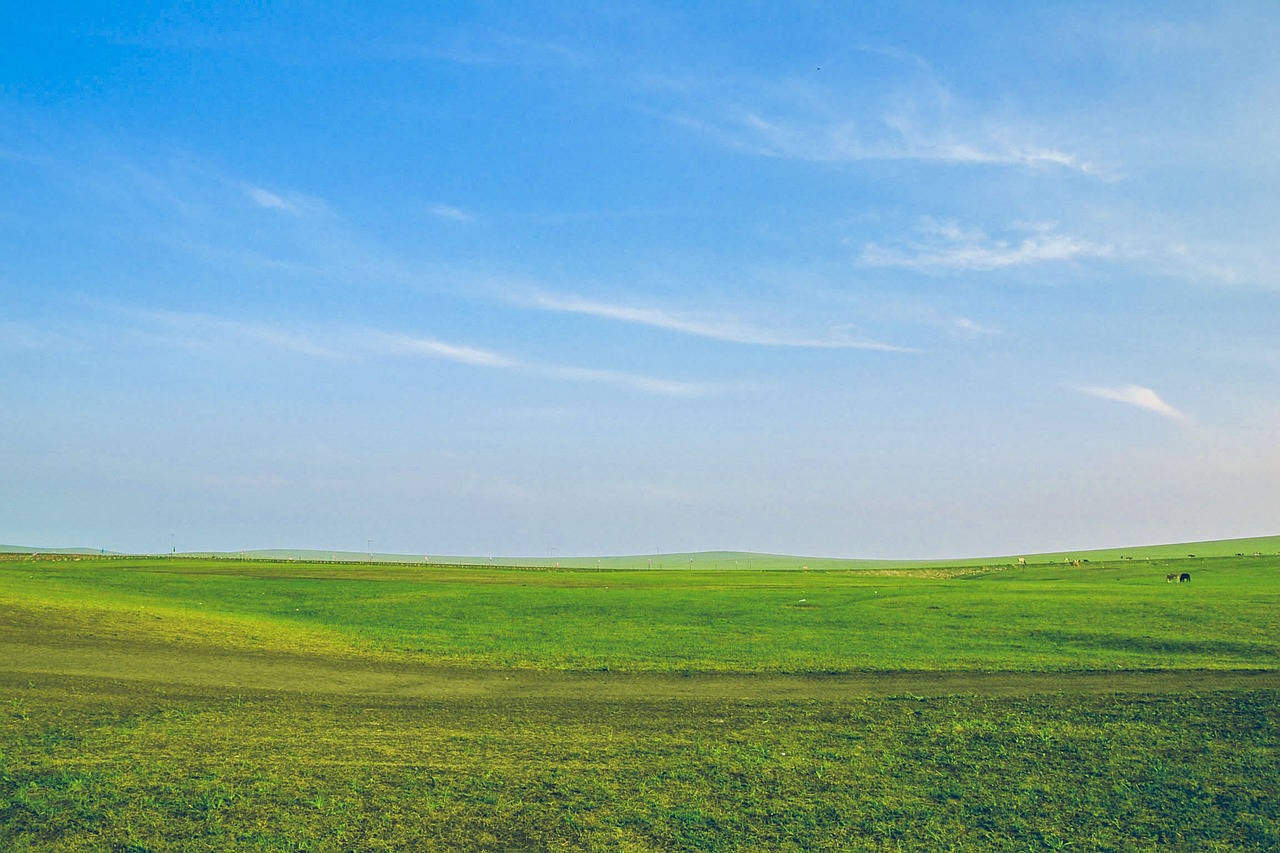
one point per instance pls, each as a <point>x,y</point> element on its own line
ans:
<point>250,671</point>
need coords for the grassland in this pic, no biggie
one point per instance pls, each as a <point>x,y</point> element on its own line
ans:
<point>202,704</point>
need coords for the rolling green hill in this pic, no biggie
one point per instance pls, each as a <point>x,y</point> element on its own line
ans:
<point>773,561</point>
<point>22,549</point>
<point>1265,545</point>
<point>1261,545</point>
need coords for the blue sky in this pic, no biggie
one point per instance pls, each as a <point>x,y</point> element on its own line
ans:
<point>908,280</point>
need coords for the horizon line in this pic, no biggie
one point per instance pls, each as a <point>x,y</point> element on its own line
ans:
<point>553,560</point>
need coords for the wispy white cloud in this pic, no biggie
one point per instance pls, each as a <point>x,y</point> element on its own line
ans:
<point>1149,242</point>
<point>648,384</point>
<point>903,311</point>
<point>949,247</point>
<point>449,212</point>
<point>293,203</point>
<point>892,107</point>
<point>430,348</point>
<point>971,327</point>
<point>885,138</point>
<point>206,333</point>
<point>1135,395</point>
<point>720,329</point>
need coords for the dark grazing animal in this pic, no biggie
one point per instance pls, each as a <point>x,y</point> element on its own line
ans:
<point>1170,578</point>
<point>1185,576</point>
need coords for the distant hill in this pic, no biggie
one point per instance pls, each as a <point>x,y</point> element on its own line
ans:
<point>22,549</point>
<point>1269,545</point>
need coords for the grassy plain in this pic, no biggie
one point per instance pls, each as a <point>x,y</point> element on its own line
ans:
<point>184,704</point>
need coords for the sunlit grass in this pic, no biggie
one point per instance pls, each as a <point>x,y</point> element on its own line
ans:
<point>173,704</point>
<point>92,766</point>
<point>1101,616</point>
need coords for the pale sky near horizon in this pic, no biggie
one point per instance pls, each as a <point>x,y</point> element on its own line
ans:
<point>867,280</point>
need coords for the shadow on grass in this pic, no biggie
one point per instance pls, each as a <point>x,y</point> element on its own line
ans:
<point>1163,645</point>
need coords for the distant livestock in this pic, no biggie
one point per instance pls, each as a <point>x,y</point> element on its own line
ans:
<point>1185,576</point>
<point>1170,578</point>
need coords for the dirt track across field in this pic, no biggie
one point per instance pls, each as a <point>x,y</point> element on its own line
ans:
<point>307,674</point>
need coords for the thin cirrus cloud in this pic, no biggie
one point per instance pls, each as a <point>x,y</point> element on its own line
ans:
<point>296,204</point>
<point>843,141</point>
<point>1135,395</point>
<point>971,327</point>
<point>429,348</point>
<point>893,107</point>
<point>400,344</point>
<point>719,330</point>
<point>204,333</point>
<point>449,213</point>
<point>951,248</point>
<point>207,333</point>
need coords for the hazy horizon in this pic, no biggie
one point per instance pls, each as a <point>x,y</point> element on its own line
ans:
<point>1254,546</point>
<point>890,281</point>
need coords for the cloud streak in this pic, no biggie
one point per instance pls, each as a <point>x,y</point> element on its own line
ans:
<point>429,348</point>
<point>295,204</point>
<point>450,213</point>
<point>848,141</point>
<point>1136,395</point>
<point>884,105</point>
<point>207,333</point>
<point>955,249</point>
<point>727,331</point>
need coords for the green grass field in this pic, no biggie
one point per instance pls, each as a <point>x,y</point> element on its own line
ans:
<point>218,704</point>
